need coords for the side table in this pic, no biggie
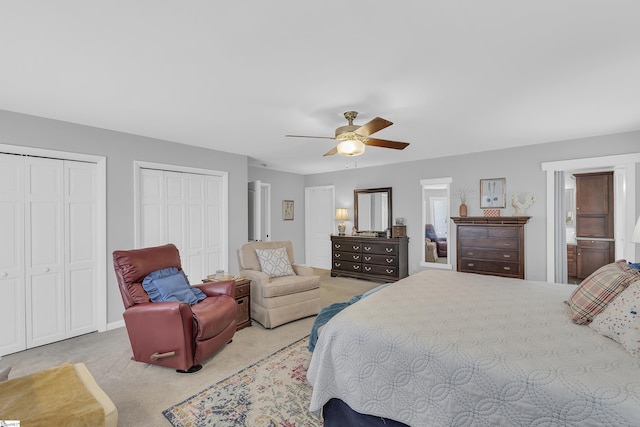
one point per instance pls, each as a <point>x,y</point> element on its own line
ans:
<point>243,300</point>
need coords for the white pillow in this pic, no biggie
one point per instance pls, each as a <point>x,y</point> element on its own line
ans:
<point>620,320</point>
<point>275,262</point>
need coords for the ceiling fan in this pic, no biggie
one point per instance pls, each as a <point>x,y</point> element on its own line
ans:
<point>354,138</point>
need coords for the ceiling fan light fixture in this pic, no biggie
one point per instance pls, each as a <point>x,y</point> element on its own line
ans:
<point>351,147</point>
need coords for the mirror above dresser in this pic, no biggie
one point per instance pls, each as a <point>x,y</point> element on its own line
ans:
<point>372,209</point>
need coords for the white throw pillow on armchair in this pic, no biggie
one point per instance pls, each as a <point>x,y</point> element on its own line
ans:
<point>275,262</point>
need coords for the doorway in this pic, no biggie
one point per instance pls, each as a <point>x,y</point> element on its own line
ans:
<point>624,167</point>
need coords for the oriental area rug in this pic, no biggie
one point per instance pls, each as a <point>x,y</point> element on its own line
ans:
<point>270,393</point>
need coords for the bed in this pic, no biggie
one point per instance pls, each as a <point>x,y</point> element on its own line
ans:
<point>442,348</point>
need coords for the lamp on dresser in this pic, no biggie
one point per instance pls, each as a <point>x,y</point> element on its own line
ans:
<point>342,215</point>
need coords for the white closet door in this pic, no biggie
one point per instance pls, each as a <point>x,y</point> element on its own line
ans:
<point>12,306</point>
<point>214,246</point>
<point>45,299</point>
<point>173,208</point>
<point>151,207</point>
<point>185,209</point>
<point>193,253</point>
<point>80,257</point>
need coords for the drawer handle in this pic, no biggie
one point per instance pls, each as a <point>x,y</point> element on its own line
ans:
<point>506,244</point>
<point>470,265</point>
<point>389,271</point>
<point>356,267</point>
<point>336,245</point>
<point>389,250</point>
<point>390,260</point>
<point>506,256</point>
<point>367,248</point>
<point>366,268</point>
<point>507,268</point>
<point>356,257</point>
<point>367,258</point>
<point>337,255</point>
<point>356,248</point>
<point>337,264</point>
<point>469,253</point>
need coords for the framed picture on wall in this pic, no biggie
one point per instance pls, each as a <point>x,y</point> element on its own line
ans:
<point>287,210</point>
<point>493,193</point>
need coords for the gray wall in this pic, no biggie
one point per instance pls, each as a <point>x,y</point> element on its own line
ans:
<point>520,166</point>
<point>284,186</point>
<point>121,150</point>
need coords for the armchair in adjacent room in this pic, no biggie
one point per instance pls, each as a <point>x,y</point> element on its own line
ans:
<point>441,242</point>
<point>281,291</point>
<point>174,334</point>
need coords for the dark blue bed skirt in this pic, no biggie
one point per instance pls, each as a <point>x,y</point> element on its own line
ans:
<point>336,413</point>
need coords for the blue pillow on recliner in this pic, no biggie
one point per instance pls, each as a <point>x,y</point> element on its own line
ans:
<point>171,285</point>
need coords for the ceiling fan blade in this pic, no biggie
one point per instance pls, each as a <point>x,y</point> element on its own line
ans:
<point>373,126</point>
<point>386,144</point>
<point>331,152</point>
<point>306,136</point>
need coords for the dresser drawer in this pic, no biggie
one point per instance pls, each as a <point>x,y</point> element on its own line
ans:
<point>242,290</point>
<point>380,270</point>
<point>346,246</point>
<point>388,260</point>
<point>347,256</point>
<point>490,243</point>
<point>470,232</point>
<point>510,269</point>
<point>347,266</point>
<point>379,248</point>
<point>493,254</point>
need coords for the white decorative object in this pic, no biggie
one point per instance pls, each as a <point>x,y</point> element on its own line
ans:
<point>520,207</point>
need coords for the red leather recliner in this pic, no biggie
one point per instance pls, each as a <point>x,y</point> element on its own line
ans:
<point>172,334</point>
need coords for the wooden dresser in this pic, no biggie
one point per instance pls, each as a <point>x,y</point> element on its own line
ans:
<point>378,259</point>
<point>491,245</point>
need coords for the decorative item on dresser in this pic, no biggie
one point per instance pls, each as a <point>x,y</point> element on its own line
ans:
<point>491,245</point>
<point>371,258</point>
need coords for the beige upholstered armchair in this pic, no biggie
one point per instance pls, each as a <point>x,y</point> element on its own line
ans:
<point>277,300</point>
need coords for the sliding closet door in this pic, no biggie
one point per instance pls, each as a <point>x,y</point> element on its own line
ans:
<point>12,307</point>
<point>80,268</point>
<point>44,251</point>
<point>48,259</point>
<point>184,209</point>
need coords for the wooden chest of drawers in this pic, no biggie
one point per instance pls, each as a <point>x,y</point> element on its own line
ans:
<point>372,258</point>
<point>491,245</point>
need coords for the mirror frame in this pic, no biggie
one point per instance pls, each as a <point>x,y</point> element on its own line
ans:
<point>387,191</point>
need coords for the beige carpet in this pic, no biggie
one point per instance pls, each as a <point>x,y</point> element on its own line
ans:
<point>141,391</point>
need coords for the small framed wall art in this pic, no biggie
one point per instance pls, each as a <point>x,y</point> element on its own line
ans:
<point>287,210</point>
<point>493,193</point>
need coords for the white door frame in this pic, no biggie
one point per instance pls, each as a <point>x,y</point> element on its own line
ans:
<point>101,216</point>
<point>628,162</point>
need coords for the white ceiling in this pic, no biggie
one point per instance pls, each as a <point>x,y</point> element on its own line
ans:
<point>237,76</point>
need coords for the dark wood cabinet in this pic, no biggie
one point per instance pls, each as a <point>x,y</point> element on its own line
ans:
<point>593,254</point>
<point>594,204</point>
<point>373,258</point>
<point>491,245</point>
<point>572,260</point>
<point>594,222</point>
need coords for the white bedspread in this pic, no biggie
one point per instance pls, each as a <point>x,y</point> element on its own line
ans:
<point>442,348</point>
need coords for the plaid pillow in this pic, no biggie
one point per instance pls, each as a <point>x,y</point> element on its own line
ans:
<point>600,288</point>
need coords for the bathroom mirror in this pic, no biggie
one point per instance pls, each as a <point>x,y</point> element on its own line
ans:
<point>372,209</point>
